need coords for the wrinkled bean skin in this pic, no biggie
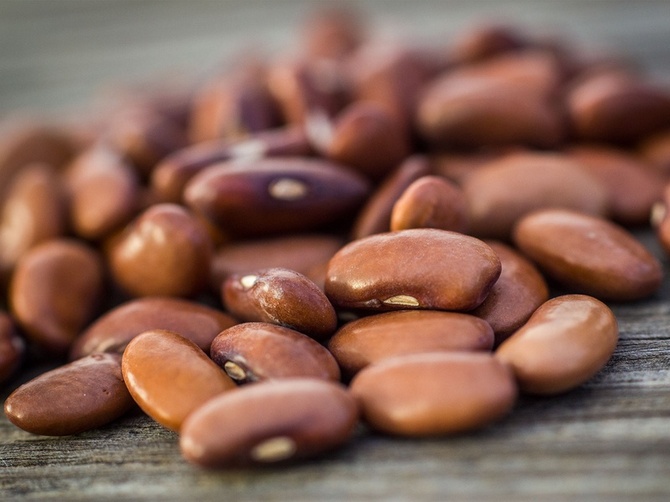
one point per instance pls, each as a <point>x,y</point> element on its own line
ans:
<point>433,269</point>
<point>33,212</point>
<point>12,348</point>
<point>301,253</point>
<point>589,255</point>
<point>617,107</point>
<point>370,339</point>
<point>517,293</point>
<point>165,251</point>
<point>375,216</point>
<point>176,170</point>
<point>431,202</point>
<point>269,423</point>
<point>632,184</point>
<point>280,296</point>
<point>55,292</point>
<point>366,137</point>
<point>79,396</point>
<point>501,192</point>
<point>565,342</point>
<point>104,193</point>
<point>255,351</point>
<point>112,331</point>
<point>270,196</point>
<point>434,394</point>
<point>169,376</point>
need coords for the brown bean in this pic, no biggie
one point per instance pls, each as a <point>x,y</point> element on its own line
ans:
<point>517,293</point>
<point>269,423</point>
<point>589,254</point>
<point>12,348</point>
<point>433,269</point>
<point>302,253</point>
<point>24,142</point>
<point>104,193</point>
<point>617,107</point>
<point>34,211</point>
<point>370,339</point>
<point>633,185</point>
<point>256,351</point>
<point>656,151</point>
<point>434,394</point>
<point>270,196</point>
<point>174,172</point>
<point>233,105</point>
<point>501,192</point>
<point>484,41</point>
<point>280,296</point>
<point>79,396</point>
<point>471,108</point>
<point>55,291</point>
<point>112,331</point>
<point>431,202</point>
<point>169,376</point>
<point>565,342</point>
<point>364,136</point>
<point>165,251</point>
<point>375,216</point>
<point>660,219</point>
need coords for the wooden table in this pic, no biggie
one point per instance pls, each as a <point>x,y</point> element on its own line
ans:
<point>608,440</point>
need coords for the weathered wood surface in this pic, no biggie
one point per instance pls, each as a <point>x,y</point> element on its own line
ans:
<point>609,440</point>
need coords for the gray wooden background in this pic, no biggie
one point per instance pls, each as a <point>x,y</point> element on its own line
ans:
<point>608,440</point>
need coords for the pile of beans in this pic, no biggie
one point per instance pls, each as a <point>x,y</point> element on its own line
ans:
<point>362,232</point>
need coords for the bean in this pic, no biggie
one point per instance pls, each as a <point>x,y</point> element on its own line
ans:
<point>589,254</point>
<point>169,376</point>
<point>501,192</point>
<point>431,202</point>
<point>82,395</point>
<point>370,339</point>
<point>280,296</point>
<point>164,237</point>
<point>55,292</point>
<point>433,269</point>
<point>112,331</point>
<point>255,351</point>
<point>434,394</point>
<point>270,196</point>
<point>269,423</point>
<point>517,293</point>
<point>565,342</point>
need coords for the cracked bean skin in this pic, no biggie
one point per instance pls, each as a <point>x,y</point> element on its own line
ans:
<point>169,376</point>
<point>432,269</point>
<point>280,296</point>
<point>434,394</point>
<point>370,339</point>
<point>255,351</point>
<point>82,395</point>
<point>564,343</point>
<point>589,255</point>
<point>269,423</point>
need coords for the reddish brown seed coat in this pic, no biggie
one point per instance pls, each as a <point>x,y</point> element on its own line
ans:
<point>79,396</point>
<point>370,339</point>
<point>260,351</point>
<point>280,296</point>
<point>169,376</point>
<point>589,254</point>
<point>566,341</point>
<point>112,331</point>
<point>432,269</point>
<point>434,394</point>
<point>269,422</point>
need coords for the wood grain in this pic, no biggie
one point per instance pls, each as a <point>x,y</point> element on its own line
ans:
<point>608,440</point>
